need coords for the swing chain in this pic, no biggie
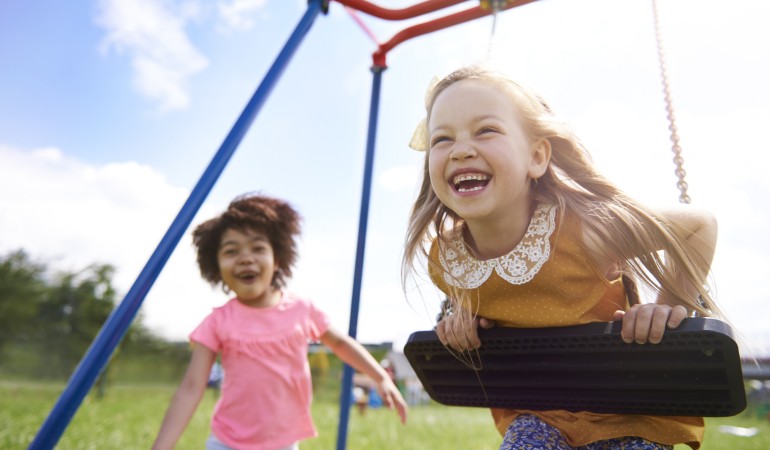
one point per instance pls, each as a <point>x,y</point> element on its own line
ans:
<point>676,148</point>
<point>496,6</point>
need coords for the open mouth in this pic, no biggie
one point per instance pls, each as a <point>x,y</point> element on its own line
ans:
<point>470,182</point>
<point>247,276</point>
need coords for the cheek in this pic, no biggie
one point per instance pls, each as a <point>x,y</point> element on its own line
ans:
<point>435,171</point>
<point>225,265</point>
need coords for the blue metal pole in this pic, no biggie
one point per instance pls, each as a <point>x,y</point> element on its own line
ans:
<point>121,317</point>
<point>347,376</point>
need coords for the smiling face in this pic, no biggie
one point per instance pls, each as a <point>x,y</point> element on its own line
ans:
<point>247,266</point>
<point>480,159</point>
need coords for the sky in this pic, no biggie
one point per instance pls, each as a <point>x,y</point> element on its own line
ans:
<point>110,111</point>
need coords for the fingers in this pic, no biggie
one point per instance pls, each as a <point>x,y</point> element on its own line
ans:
<point>678,314</point>
<point>644,323</point>
<point>402,409</point>
<point>459,333</point>
<point>627,331</point>
<point>391,398</point>
<point>486,323</point>
<point>440,331</point>
<point>648,322</point>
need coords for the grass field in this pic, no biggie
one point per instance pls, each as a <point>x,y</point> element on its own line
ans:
<point>128,418</point>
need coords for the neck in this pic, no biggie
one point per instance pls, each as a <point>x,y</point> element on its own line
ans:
<point>494,238</point>
<point>269,298</point>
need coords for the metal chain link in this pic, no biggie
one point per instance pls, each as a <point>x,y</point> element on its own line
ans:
<point>676,148</point>
<point>496,6</point>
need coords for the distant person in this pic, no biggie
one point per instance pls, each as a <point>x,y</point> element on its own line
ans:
<point>261,336</point>
<point>215,377</point>
<point>414,391</point>
<point>361,398</point>
<point>520,229</point>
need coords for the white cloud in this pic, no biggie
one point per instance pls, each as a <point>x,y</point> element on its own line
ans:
<point>238,14</point>
<point>71,214</point>
<point>163,58</point>
<point>82,213</point>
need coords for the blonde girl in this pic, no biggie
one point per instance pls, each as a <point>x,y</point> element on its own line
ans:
<point>519,229</point>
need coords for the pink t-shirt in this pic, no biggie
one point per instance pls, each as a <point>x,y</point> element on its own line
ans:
<point>267,389</point>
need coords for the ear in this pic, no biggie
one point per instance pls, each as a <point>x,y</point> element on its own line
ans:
<point>541,157</point>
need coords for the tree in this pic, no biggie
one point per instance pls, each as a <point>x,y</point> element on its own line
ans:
<point>22,289</point>
<point>48,320</point>
<point>76,307</point>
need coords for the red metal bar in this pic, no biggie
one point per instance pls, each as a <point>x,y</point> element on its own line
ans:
<point>410,12</point>
<point>467,15</point>
<point>363,25</point>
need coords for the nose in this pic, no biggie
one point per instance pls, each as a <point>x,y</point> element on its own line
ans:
<point>462,150</point>
<point>245,257</point>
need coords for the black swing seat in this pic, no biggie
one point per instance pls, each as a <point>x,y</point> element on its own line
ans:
<point>694,371</point>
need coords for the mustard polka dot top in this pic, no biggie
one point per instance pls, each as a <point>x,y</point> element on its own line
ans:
<point>549,280</point>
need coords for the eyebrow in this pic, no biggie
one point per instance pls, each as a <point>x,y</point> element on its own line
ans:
<point>254,239</point>
<point>474,119</point>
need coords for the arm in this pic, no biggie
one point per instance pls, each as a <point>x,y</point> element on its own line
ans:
<point>355,355</point>
<point>186,398</point>
<point>699,229</point>
<point>648,322</point>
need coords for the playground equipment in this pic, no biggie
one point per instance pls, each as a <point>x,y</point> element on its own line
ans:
<point>117,324</point>
<point>694,371</point>
<point>120,319</point>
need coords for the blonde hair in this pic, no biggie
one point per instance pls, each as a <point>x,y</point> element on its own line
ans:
<point>573,183</point>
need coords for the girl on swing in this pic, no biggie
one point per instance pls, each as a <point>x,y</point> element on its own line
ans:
<point>520,230</point>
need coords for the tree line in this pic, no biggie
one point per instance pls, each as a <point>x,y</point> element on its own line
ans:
<point>48,319</point>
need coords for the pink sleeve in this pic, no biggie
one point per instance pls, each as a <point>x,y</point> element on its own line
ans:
<point>318,323</point>
<point>206,334</point>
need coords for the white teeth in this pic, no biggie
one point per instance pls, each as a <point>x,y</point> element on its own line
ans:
<point>469,177</point>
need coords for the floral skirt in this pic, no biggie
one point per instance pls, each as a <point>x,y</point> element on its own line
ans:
<point>528,432</point>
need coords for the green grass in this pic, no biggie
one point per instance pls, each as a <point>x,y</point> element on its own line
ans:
<point>129,416</point>
<point>716,440</point>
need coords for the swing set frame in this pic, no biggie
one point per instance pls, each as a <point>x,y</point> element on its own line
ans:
<point>117,324</point>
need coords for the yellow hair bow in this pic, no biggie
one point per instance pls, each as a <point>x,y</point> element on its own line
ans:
<point>419,139</point>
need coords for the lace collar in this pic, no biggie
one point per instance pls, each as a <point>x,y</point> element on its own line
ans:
<point>463,271</point>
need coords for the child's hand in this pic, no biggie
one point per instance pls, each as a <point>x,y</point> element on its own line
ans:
<point>391,397</point>
<point>647,322</point>
<point>461,332</point>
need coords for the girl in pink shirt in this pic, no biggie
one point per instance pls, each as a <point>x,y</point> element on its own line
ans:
<point>261,336</point>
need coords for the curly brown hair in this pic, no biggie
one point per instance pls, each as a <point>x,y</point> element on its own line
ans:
<point>278,220</point>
